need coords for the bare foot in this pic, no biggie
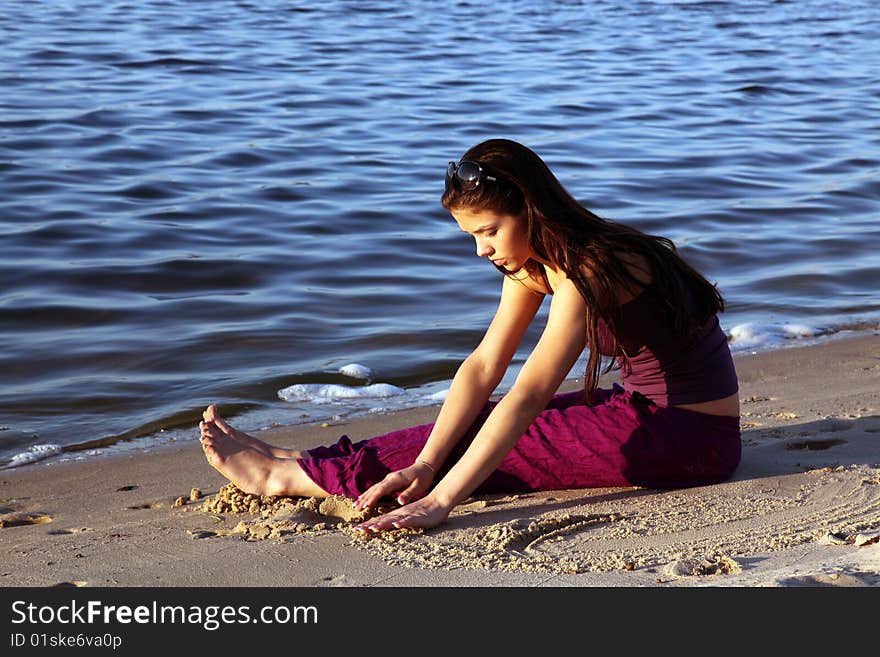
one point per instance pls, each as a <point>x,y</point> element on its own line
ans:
<point>253,471</point>
<point>212,415</point>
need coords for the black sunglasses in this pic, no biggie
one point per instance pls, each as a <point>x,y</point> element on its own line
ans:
<point>467,174</point>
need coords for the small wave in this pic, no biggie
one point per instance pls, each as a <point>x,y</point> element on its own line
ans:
<point>33,454</point>
<point>317,392</point>
<point>51,54</point>
<point>751,335</point>
<point>179,62</point>
<point>356,371</point>
<point>753,89</point>
<point>148,191</point>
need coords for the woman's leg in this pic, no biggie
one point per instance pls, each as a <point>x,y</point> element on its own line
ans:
<point>349,469</point>
<point>620,440</point>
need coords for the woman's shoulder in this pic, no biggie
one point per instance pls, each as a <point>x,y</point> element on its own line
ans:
<point>545,280</point>
<point>640,275</point>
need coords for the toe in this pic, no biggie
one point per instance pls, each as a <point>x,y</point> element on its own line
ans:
<point>211,434</point>
<point>221,423</point>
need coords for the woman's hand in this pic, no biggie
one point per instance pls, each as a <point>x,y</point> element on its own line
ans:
<point>410,484</point>
<point>426,512</point>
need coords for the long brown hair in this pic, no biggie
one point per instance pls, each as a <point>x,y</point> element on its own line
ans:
<point>583,245</point>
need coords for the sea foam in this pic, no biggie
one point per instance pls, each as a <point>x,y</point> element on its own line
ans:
<point>356,371</point>
<point>33,454</point>
<point>752,335</point>
<point>318,393</point>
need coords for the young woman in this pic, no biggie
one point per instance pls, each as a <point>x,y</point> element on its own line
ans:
<point>621,293</point>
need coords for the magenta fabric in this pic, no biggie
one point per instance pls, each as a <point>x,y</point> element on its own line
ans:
<point>622,439</point>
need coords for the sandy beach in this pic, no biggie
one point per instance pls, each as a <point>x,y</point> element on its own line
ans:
<point>802,510</point>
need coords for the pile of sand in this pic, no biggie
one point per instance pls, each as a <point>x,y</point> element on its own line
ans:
<point>279,517</point>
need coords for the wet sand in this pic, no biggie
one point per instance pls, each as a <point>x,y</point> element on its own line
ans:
<point>802,510</point>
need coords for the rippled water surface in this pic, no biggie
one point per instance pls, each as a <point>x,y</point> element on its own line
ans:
<point>214,201</point>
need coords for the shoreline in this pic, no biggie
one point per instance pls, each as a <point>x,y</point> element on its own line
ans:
<point>802,509</point>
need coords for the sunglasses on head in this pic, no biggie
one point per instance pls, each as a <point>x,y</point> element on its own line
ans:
<point>466,175</point>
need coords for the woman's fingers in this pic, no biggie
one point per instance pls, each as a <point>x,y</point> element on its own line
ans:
<point>377,491</point>
<point>410,493</point>
<point>365,500</point>
<point>392,520</point>
<point>423,513</point>
<point>405,483</point>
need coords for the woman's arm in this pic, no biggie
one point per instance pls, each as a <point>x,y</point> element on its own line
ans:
<point>474,382</point>
<point>561,343</point>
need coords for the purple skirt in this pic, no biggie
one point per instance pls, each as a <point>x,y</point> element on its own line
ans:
<point>622,439</point>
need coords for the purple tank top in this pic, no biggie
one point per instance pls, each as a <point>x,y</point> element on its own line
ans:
<point>666,366</point>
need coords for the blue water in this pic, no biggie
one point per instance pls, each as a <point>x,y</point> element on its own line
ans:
<point>210,201</point>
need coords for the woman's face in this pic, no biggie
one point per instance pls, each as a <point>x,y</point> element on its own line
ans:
<point>501,238</point>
